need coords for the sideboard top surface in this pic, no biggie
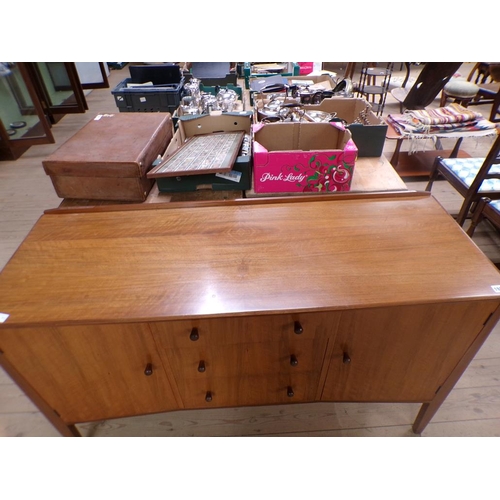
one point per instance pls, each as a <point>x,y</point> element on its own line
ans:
<point>171,262</point>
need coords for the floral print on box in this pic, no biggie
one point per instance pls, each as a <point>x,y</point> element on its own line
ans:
<point>327,175</point>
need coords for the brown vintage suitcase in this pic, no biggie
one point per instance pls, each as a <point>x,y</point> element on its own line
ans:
<point>109,157</point>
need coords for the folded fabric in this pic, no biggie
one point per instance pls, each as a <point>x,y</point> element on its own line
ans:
<point>452,118</point>
<point>402,126</point>
<point>453,113</point>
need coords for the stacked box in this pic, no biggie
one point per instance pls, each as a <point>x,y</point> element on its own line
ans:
<point>240,177</point>
<point>368,130</point>
<point>369,134</point>
<point>291,70</point>
<point>229,79</point>
<point>165,98</point>
<point>323,83</point>
<point>293,157</point>
<point>108,159</point>
<point>162,95</point>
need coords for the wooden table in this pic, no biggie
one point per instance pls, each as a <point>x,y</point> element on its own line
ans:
<point>132,310</point>
<point>371,175</point>
<point>418,164</point>
<point>154,196</point>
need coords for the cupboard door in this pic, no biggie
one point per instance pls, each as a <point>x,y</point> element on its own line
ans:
<point>91,372</point>
<point>400,353</point>
<point>246,360</point>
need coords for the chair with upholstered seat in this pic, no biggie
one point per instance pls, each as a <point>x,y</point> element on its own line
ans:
<point>486,209</point>
<point>431,80</point>
<point>487,77</point>
<point>459,90</point>
<point>473,178</point>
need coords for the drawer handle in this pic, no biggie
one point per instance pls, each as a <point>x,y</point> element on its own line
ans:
<point>208,397</point>
<point>148,370</point>
<point>346,359</point>
<point>293,360</point>
<point>194,335</point>
<point>297,328</point>
<point>289,392</point>
<point>201,366</point>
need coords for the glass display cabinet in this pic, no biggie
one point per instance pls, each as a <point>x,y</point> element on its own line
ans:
<point>23,121</point>
<point>93,75</point>
<point>58,87</point>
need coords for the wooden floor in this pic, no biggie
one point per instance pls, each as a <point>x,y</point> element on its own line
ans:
<point>472,409</point>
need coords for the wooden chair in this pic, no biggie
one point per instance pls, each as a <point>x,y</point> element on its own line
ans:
<point>372,90</point>
<point>486,209</point>
<point>431,80</point>
<point>487,77</point>
<point>473,178</point>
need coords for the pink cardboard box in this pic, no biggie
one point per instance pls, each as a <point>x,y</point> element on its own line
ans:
<point>292,157</point>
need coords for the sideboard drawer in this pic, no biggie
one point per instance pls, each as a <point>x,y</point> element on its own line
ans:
<point>246,358</point>
<point>278,388</point>
<point>244,329</point>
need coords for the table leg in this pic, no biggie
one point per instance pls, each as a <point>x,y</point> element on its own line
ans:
<point>395,155</point>
<point>407,77</point>
<point>456,149</point>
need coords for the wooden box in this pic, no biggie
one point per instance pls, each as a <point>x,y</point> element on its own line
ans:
<point>109,157</point>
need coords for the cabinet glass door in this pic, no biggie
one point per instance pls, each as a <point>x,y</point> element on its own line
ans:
<point>22,120</point>
<point>59,87</point>
<point>93,75</point>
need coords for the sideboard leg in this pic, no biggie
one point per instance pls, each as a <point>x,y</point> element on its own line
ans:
<point>424,417</point>
<point>74,431</point>
<point>52,416</point>
<point>428,410</point>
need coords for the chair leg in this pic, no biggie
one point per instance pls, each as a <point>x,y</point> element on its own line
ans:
<point>434,173</point>
<point>442,102</point>
<point>495,108</point>
<point>464,210</point>
<point>456,148</point>
<point>477,216</point>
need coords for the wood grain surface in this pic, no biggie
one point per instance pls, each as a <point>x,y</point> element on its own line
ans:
<point>173,262</point>
<point>471,409</point>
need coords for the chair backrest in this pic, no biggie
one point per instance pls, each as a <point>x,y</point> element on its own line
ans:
<point>431,80</point>
<point>492,158</point>
<point>495,72</point>
<point>484,73</point>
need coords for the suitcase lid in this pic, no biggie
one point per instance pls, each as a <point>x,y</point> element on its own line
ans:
<point>113,145</point>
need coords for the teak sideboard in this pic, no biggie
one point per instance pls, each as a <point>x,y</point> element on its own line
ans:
<point>132,310</point>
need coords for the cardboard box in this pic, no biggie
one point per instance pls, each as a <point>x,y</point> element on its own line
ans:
<point>258,70</point>
<point>324,82</point>
<point>305,67</point>
<point>369,137</point>
<point>189,126</point>
<point>238,108</point>
<point>302,157</point>
<point>315,83</point>
<point>108,159</point>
